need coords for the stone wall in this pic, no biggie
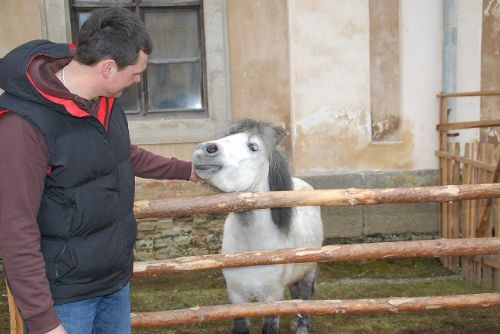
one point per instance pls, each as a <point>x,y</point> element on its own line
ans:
<point>169,237</point>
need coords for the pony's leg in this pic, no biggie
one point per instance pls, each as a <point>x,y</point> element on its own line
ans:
<point>240,325</point>
<point>303,290</point>
<point>271,325</point>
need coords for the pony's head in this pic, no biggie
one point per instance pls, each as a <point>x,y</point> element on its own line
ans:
<point>248,159</point>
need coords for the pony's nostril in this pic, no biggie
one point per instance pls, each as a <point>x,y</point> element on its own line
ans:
<point>211,148</point>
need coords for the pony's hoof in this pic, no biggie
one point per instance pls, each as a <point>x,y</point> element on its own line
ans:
<point>302,330</point>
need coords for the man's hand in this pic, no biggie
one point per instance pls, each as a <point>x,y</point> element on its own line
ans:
<point>194,177</point>
<point>58,330</point>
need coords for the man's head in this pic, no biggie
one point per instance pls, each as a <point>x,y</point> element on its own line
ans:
<point>112,33</point>
<point>115,42</point>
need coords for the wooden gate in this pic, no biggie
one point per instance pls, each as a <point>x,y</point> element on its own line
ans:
<point>469,163</point>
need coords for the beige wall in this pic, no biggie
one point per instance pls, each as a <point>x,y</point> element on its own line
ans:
<point>490,62</point>
<point>259,61</point>
<point>20,22</point>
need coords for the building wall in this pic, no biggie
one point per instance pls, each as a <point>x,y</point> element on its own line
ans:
<point>20,23</point>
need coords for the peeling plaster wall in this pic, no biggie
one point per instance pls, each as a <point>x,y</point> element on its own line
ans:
<point>330,92</point>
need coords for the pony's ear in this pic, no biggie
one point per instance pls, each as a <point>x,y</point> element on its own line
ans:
<point>279,134</point>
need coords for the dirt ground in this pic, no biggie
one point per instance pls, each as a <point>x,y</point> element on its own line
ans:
<point>345,280</point>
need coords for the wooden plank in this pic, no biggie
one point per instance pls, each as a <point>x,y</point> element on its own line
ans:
<point>476,93</point>
<point>455,209</point>
<point>16,322</point>
<point>473,180</point>
<point>485,223</point>
<point>447,217</point>
<point>482,178</point>
<point>468,125</point>
<point>240,202</point>
<point>466,260</point>
<point>475,163</point>
<point>476,261</point>
<point>347,252</point>
<point>201,314</point>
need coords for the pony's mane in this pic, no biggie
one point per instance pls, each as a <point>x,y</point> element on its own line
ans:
<point>280,178</point>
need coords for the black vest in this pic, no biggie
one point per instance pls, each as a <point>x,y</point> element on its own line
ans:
<point>86,216</point>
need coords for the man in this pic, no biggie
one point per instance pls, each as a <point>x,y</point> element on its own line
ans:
<point>67,170</point>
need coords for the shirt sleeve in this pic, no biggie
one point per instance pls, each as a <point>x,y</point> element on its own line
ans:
<point>152,166</point>
<point>23,166</point>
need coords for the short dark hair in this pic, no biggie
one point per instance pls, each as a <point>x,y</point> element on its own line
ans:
<point>112,33</point>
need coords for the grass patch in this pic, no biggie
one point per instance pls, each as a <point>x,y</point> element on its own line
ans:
<point>207,288</point>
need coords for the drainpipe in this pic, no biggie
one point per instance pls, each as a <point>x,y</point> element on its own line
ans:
<point>450,53</point>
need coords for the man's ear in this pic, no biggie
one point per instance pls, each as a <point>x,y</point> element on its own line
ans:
<point>107,67</point>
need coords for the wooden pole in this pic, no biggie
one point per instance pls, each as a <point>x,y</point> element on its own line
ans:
<point>466,94</point>
<point>238,202</point>
<point>397,249</point>
<point>468,125</point>
<point>201,314</point>
<point>16,322</point>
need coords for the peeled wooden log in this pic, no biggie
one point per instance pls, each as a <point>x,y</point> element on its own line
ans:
<point>239,202</point>
<point>201,314</point>
<point>398,249</point>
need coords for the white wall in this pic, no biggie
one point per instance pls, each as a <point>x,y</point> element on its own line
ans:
<point>468,54</point>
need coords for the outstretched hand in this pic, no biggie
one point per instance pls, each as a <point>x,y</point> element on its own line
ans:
<point>194,177</point>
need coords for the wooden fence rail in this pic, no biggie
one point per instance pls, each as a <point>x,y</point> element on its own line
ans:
<point>201,314</point>
<point>237,202</point>
<point>397,249</point>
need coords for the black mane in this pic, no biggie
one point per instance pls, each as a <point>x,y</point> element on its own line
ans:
<point>280,178</point>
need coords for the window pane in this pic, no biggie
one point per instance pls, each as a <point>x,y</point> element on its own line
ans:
<point>174,33</point>
<point>106,1</point>
<point>82,17</point>
<point>130,99</point>
<point>174,86</point>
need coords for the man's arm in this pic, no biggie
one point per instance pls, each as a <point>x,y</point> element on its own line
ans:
<point>152,166</point>
<point>23,166</point>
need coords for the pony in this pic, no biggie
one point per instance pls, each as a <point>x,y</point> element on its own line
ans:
<point>250,159</point>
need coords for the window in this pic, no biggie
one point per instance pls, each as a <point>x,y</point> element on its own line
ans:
<point>174,84</point>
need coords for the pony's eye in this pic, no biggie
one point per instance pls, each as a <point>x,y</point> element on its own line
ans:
<point>253,146</point>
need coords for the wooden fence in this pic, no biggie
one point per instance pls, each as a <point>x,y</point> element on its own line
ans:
<point>245,201</point>
<point>469,163</point>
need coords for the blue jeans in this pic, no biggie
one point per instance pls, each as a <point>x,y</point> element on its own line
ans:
<point>100,315</point>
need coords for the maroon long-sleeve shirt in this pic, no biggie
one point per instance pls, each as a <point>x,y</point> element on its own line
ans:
<point>23,166</point>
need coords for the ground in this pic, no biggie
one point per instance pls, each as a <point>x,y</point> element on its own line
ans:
<point>345,280</point>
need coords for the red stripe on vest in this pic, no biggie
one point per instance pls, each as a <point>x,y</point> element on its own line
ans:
<point>3,111</point>
<point>71,106</point>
